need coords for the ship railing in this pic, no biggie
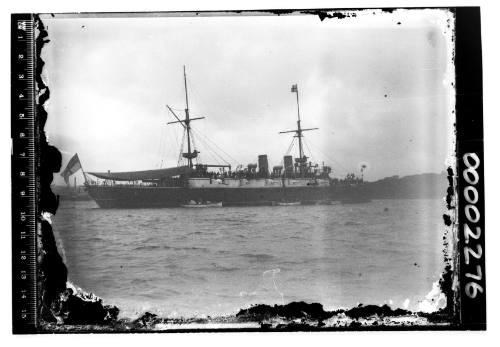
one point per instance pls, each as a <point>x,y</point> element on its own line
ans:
<point>128,184</point>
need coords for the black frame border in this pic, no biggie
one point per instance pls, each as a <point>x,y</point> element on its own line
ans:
<point>469,139</point>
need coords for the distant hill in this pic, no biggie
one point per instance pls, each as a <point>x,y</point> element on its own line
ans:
<point>429,185</point>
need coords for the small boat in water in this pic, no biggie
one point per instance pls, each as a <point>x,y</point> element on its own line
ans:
<point>288,203</point>
<point>194,204</point>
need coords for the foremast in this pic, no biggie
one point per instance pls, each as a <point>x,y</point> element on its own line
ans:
<point>186,123</point>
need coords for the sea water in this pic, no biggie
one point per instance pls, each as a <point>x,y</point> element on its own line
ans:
<point>182,262</point>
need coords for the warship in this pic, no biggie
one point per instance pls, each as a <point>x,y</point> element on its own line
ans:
<point>194,184</point>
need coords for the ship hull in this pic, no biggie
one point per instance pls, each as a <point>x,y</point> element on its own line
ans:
<point>159,197</point>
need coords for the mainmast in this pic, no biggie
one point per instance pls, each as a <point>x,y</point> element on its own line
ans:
<point>186,123</point>
<point>302,159</point>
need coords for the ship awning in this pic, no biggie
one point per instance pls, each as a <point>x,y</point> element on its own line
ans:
<point>143,175</point>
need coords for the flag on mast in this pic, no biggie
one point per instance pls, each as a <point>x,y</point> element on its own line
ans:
<point>73,166</point>
<point>294,88</point>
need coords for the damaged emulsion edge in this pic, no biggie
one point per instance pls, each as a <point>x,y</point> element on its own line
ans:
<point>63,307</point>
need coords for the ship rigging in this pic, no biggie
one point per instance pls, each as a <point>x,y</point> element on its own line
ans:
<point>299,170</point>
<point>186,124</point>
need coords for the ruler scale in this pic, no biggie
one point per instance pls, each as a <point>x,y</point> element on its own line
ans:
<point>24,161</point>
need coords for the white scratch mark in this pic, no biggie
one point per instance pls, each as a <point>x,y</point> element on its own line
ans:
<point>274,272</point>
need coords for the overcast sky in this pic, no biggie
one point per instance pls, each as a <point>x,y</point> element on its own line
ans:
<point>379,92</point>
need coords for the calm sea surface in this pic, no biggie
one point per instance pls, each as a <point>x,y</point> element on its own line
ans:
<point>213,261</point>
